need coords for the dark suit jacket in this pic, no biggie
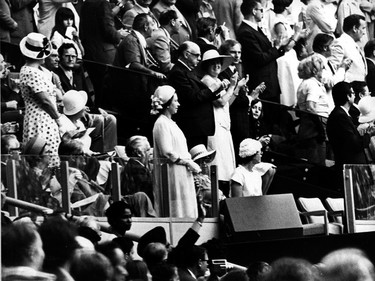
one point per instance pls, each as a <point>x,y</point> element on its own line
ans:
<point>195,117</point>
<point>370,78</point>
<point>22,12</point>
<point>190,9</point>
<point>79,82</point>
<point>346,143</point>
<point>98,33</point>
<point>259,60</point>
<point>184,275</point>
<point>204,46</point>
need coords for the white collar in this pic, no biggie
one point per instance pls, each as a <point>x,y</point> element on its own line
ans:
<point>142,39</point>
<point>206,40</point>
<point>347,112</point>
<point>185,64</point>
<point>191,273</point>
<point>251,24</point>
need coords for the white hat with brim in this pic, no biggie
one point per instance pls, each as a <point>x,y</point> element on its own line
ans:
<point>367,108</point>
<point>249,147</point>
<point>199,151</point>
<point>35,46</point>
<point>212,55</point>
<point>74,101</point>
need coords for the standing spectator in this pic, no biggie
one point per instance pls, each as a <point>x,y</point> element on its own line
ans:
<point>212,64</point>
<point>185,32</point>
<point>161,44</point>
<point>22,254</point>
<point>41,115</point>
<point>22,12</point>
<point>206,10</point>
<point>140,7</point>
<point>170,144</point>
<point>346,46</point>
<point>228,12</point>
<point>65,30</point>
<point>370,60</point>
<point>313,98</point>
<point>251,177</point>
<point>206,31</point>
<point>259,60</point>
<point>239,109</point>
<point>196,116</point>
<point>98,33</point>
<point>346,143</point>
<point>190,9</point>
<point>7,23</point>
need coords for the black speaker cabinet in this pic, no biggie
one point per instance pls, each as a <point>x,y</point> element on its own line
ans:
<point>262,218</point>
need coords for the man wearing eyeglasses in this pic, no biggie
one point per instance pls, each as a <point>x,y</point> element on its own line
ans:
<point>195,116</point>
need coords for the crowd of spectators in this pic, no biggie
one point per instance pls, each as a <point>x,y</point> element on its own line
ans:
<point>219,65</point>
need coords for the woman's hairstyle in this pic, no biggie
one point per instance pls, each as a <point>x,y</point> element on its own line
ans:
<point>227,44</point>
<point>61,15</point>
<point>206,64</point>
<point>133,144</point>
<point>280,5</point>
<point>310,66</point>
<point>254,102</point>
<point>90,265</point>
<point>137,270</point>
<point>321,40</point>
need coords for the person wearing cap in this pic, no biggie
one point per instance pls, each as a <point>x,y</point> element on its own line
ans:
<point>212,65</point>
<point>252,177</point>
<point>170,147</point>
<point>41,115</point>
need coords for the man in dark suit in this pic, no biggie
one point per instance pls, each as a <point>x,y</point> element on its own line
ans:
<point>346,143</point>
<point>195,116</point>
<point>259,60</point>
<point>206,34</point>
<point>370,60</point>
<point>194,263</point>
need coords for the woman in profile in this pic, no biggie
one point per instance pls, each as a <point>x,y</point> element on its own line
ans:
<point>170,147</point>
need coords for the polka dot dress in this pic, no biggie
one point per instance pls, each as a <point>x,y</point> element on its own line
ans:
<point>37,121</point>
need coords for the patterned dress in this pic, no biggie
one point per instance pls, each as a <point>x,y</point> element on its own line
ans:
<point>37,121</point>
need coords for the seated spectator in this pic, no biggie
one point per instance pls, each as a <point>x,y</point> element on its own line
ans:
<point>65,30</point>
<point>137,175</point>
<point>194,263</point>
<point>138,270</point>
<point>361,90</point>
<point>116,256</point>
<point>90,265</point>
<point>164,272</point>
<point>59,244</point>
<point>119,216</point>
<point>252,177</point>
<point>162,46</point>
<point>348,263</point>
<point>52,64</point>
<point>291,269</point>
<point>22,253</point>
<point>132,52</point>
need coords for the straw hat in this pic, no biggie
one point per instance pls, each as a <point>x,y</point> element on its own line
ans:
<point>35,46</point>
<point>249,147</point>
<point>161,96</point>
<point>213,54</point>
<point>199,151</point>
<point>74,101</point>
<point>367,108</point>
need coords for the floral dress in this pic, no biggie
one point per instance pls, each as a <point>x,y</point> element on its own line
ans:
<point>37,121</point>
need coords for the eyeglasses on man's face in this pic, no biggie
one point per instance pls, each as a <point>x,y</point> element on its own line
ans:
<point>195,55</point>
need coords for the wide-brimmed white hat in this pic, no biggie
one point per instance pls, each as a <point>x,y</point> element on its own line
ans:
<point>366,106</point>
<point>161,95</point>
<point>35,46</point>
<point>74,101</point>
<point>199,151</point>
<point>213,54</point>
<point>249,147</point>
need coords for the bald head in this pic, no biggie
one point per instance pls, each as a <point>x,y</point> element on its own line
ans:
<point>189,53</point>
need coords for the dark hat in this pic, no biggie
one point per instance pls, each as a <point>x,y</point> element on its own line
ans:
<point>156,234</point>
